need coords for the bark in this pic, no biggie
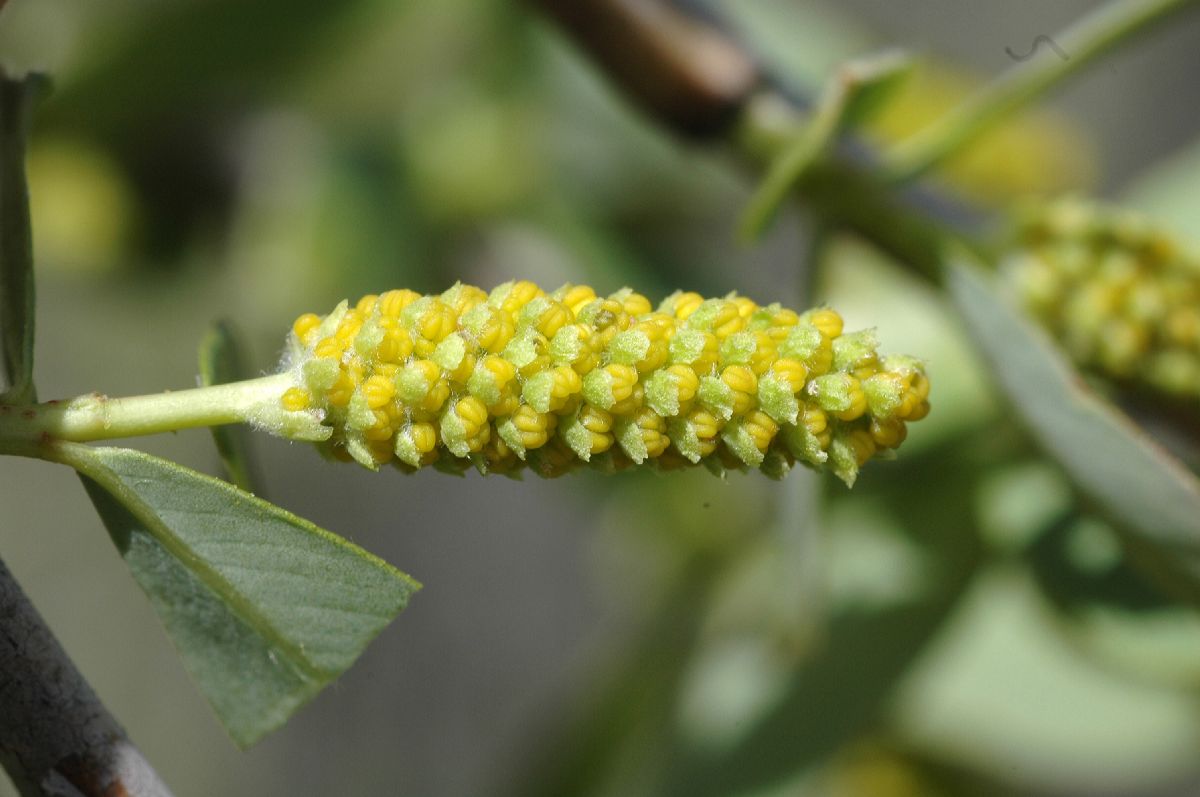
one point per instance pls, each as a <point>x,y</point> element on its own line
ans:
<point>56,738</point>
<point>682,71</point>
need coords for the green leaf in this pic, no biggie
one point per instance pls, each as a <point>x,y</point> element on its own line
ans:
<point>1153,499</point>
<point>161,64</point>
<point>264,607</point>
<point>841,688</point>
<point>1075,579</point>
<point>17,99</point>
<point>857,90</point>
<point>1169,192</point>
<point>833,697</point>
<point>221,362</point>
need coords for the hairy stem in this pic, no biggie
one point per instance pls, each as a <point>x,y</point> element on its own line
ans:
<point>1087,40</point>
<point>56,737</point>
<point>97,417</point>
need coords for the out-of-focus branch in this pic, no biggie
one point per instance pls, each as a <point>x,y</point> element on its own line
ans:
<point>910,224</point>
<point>688,74</point>
<point>56,738</point>
<point>683,72</point>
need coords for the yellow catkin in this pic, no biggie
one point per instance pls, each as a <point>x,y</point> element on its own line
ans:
<point>500,370</point>
<point>305,326</point>
<point>654,432</point>
<point>744,386</point>
<point>396,345</point>
<point>295,399</point>
<point>765,353</point>
<point>684,304</point>
<point>329,347</point>
<point>534,427</point>
<point>523,377</point>
<point>888,432</point>
<point>506,405</point>
<point>519,295</point>
<point>351,323</point>
<point>461,373</point>
<point>792,372</point>
<point>728,321</point>
<point>464,297</point>
<point>635,304</point>
<point>623,379</point>
<point>686,383</point>
<point>632,403</point>
<point>858,402</point>
<point>393,303</point>
<point>1120,295</point>
<point>598,423</point>
<point>863,444</point>
<point>553,318</point>
<point>762,429</point>
<point>378,390</point>
<point>828,322</point>
<point>342,391</point>
<point>576,296</point>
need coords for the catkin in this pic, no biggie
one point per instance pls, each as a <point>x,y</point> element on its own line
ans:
<point>520,378</point>
<point>1119,295</point>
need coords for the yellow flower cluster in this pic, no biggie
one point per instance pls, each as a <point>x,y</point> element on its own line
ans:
<point>1119,295</point>
<point>520,377</point>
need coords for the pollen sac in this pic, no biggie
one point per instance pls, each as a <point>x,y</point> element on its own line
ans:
<point>1121,297</point>
<point>521,378</point>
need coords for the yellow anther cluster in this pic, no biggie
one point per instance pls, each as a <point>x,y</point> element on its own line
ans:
<point>520,377</point>
<point>1119,295</point>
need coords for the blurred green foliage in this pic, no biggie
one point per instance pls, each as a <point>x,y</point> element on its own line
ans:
<point>263,158</point>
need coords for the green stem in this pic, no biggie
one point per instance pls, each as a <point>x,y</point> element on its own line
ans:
<point>23,429</point>
<point>791,164</point>
<point>846,195</point>
<point>1091,37</point>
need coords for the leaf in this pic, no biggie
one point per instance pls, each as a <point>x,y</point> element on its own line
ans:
<point>856,91</point>
<point>1169,192</point>
<point>162,65</point>
<point>17,99</point>
<point>841,688</point>
<point>1074,586</point>
<point>264,607</point>
<point>836,695</point>
<point>864,85</point>
<point>1153,499</point>
<point>221,362</point>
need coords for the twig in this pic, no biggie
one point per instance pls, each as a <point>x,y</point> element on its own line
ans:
<point>673,59</point>
<point>685,73</point>
<point>56,737</point>
<point>96,417</point>
<point>853,190</point>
